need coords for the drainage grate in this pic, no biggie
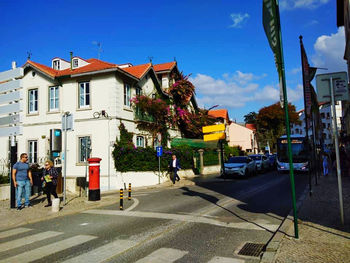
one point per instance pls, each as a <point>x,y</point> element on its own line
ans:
<point>251,249</point>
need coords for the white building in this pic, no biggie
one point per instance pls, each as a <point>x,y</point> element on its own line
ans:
<point>97,94</point>
<point>326,119</point>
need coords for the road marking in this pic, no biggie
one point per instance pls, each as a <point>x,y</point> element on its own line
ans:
<point>103,253</point>
<point>163,255</point>
<point>27,240</point>
<point>13,232</point>
<point>225,260</point>
<point>186,218</point>
<point>47,250</point>
<point>136,203</point>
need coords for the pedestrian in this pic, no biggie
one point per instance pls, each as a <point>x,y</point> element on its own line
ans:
<point>49,178</point>
<point>174,166</point>
<point>22,181</point>
<point>325,164</point>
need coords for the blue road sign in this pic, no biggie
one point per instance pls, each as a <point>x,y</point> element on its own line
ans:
<point>159,151</point>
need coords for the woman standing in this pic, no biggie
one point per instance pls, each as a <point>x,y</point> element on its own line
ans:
<point>49,179</point>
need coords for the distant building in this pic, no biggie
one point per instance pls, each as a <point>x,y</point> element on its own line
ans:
<point>242,136</point>
<point>326,123</point>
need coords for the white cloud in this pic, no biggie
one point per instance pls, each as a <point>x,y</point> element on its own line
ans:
<point>306,4</point>
<point>239,19</point>
<point>330,51</point>
<point>296,70</point>
<point>237,90</point>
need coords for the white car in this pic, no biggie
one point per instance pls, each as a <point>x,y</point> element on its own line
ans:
<point>240,165</point>
<point>262,162</point>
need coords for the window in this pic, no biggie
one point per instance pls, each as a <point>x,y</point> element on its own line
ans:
<point>75,63</point>
<point>140,141</point>
<point>33,101</point>
<point>84,149</point>
<point>127,95</point>
<point>32,151</point>
<point>53,98</point>
<point>56,64</point>
<point>322,115</point>
<point>84,95</point>
<point>138,91</point>
<point>323,125</point>
<point>328,116</point>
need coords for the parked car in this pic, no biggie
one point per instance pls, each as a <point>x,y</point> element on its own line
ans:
<point>262,163</point>
<point>240,165</point>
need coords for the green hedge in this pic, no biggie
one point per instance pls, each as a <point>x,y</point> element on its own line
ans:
<point>211,157</point>
<point>4,179</point>
<point>145,159</point>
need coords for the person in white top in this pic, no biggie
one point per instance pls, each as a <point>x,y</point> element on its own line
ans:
<point>174,166</point>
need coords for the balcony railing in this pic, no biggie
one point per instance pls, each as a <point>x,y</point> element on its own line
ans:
<point>140,116</point>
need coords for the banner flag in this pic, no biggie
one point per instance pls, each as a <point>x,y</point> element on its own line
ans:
<point>271,24</point>
<point>309,91</point>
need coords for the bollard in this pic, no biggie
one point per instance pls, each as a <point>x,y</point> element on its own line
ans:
<point>121,199</point>
<point>129,194</point>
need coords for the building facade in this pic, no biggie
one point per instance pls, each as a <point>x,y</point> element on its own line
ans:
<point>97,95</point>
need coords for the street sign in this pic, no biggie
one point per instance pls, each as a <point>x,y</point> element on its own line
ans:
<point>213,128</point>
<point>11,103</point>
<point>159,151</point>
<point>340,84</point>
<point>214,136</point>
<point>216,132</point>
<point>70,122</point>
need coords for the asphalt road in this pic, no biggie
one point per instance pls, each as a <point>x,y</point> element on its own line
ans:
<point>207,222</point>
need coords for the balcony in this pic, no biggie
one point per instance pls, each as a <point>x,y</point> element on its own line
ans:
<point>140,116</point>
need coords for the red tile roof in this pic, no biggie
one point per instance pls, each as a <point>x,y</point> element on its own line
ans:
<point>250,126</point>
<point>164,66</point>
<point>139,70</point>
<point>95,65</point>
<point>221,113</point>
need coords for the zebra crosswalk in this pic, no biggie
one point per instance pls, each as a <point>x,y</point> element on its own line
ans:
<point>21,237</point>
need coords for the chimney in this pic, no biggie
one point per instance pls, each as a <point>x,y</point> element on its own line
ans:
<point>71,60</point>
<point>14,64</point>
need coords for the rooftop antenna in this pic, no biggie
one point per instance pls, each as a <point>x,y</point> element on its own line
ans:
<point>99,51</point>
<point>175,59</point>
<point>29,54</point>
<point>150,59</point>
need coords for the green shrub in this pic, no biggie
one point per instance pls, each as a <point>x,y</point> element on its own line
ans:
<point>4,179</point>
<point>145,159</point>
<point>210,157</point>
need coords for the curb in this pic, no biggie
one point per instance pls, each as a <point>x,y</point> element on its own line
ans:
<point>287,223</point>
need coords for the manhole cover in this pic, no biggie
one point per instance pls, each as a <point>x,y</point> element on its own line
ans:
<point>251,249</point>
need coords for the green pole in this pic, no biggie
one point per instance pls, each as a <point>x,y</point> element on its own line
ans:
<point>291,168</point>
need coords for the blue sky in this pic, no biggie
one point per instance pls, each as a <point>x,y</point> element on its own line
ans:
<point>222,44</point>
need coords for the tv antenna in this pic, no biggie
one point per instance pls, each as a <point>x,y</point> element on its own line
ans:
<point>150,59</point>
<point>29,54</point>
<point>99,51</point>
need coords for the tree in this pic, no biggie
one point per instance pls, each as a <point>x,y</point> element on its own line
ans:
<point>250,117</point>
<point>158,115</point>
<point>271,123</point>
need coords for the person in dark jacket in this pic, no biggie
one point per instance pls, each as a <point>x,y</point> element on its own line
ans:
<point>49,179</point>
<point>174,166</point>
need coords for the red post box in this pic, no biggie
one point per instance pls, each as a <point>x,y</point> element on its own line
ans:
<point>94,179</point>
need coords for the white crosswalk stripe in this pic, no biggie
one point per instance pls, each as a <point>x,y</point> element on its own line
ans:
<point>103,253</point>
<point>13,232</point>
<point>225,260</point>
<point>27,240</point>
<point>163,255</point>
<point>47,250</point>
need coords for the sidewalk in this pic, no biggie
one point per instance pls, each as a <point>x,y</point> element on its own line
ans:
<point>13,218</point>
<point>322,237</point>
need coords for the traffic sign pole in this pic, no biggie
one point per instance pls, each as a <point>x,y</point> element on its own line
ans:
<point>336,146</point>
